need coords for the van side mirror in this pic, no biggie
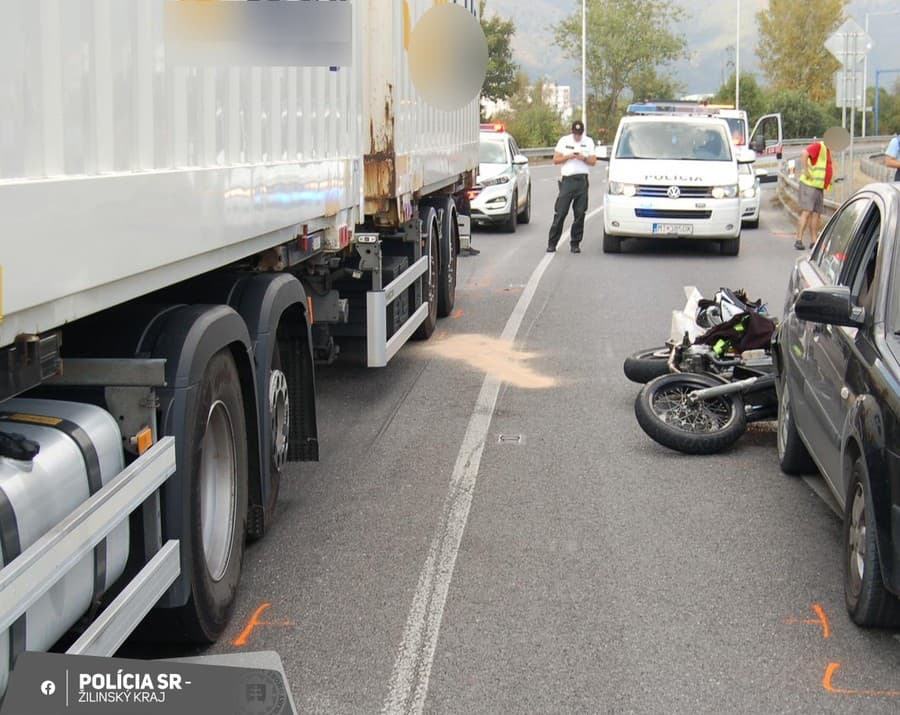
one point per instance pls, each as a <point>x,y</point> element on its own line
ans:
<point>602,152</point>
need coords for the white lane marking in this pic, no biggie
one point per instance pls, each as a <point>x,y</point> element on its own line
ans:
<point>412,667</point>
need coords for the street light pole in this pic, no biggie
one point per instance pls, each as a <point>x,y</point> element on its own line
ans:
<point>737,62</point>
<point>865,92</point>
<point>584,62</point>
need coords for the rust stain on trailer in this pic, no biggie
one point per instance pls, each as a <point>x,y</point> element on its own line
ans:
<point>380,171</point>
<point>495,357</point>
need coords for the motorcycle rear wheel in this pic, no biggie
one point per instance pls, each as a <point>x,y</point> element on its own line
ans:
<point>665,412</point>
<point>644,365</point>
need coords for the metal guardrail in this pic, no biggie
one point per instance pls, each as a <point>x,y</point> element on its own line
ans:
<point>546,152</point>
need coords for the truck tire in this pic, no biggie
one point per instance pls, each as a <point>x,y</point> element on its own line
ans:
<point>217,469</point>
<point>279,414</point>
<point>431,276</point>
<point>449,252</point>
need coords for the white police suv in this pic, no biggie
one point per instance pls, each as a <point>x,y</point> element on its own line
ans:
<point>502,192</point>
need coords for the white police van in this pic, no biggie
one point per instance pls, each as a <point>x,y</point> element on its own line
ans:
<point>673,176</point>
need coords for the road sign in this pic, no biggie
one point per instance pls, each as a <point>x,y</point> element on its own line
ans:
<point>848,86</point>
<point>849,43</point>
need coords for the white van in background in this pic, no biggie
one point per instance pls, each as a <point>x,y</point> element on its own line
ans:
<point>673,176</point>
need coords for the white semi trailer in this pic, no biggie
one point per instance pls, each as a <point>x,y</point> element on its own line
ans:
<point>181,245</point>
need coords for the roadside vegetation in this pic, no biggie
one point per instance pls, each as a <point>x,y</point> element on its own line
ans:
<point>631,43</point>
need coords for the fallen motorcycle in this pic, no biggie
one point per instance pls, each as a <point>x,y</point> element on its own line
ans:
<point>706,390</point>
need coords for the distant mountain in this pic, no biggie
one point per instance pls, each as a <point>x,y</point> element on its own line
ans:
<point>711,32</point>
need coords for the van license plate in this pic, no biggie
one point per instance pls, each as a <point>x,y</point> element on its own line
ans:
<point>678,229</point>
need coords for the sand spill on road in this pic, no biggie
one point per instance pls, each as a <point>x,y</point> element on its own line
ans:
<point>495,357</point>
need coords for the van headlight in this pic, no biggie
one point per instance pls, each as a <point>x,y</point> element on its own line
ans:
<point>617,188</point>
<point>497,180</point>
<point>725,192</point>
<point>748,193</point>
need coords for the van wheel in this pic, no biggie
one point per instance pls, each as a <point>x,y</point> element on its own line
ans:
<point>730,246</point>
<point>611,244</point>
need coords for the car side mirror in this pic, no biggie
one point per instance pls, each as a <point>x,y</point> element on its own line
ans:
<point>520,160</point>
<point>830,305</point>
<point>602,152</point>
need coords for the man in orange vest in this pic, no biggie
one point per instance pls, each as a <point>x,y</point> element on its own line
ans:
<point>815,177</point>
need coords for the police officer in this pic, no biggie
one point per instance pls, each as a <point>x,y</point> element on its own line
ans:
<point>575,153</point>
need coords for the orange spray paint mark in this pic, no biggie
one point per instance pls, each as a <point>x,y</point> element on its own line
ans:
<point>834,667</point>
<point>242,639</point>
<point>820,620</point>
<point>457,314</point>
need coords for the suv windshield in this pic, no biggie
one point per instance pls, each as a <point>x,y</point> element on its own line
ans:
<point>492,152</point>
<point>673,140</point>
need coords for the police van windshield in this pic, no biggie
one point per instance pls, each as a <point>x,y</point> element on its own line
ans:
<point>674,141</point>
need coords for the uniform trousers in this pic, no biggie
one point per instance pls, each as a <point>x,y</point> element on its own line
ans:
<point>573,191</point>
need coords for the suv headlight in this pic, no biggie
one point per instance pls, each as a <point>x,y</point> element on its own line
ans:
<point>495,181</point>
<point>617,188</point>
<point>725,192</point>
<point>748,193</point>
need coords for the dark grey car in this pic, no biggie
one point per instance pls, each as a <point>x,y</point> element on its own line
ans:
<point>837,355</point>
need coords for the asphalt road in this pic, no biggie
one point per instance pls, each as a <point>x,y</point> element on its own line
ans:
<point>489,530</point>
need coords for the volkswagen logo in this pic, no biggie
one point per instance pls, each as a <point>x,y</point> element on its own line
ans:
<point>673,192</point>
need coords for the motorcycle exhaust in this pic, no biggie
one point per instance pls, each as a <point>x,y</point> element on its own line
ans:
<point>719,390</point>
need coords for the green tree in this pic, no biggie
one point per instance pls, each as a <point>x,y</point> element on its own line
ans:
<point>500,79</point>
<point>753,98</point>
<point>791,47</point>
<point>532,122</point>
<point>629,42</point>
<point>800,116</point>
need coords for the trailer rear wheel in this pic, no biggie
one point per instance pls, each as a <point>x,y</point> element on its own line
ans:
<point>218,498</point>
<point>449,251</point>
<point>280,416</point>
<point>424,331</point>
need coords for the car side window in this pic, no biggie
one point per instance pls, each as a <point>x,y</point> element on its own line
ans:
<point>833,247</point>
<point>862,277</point>
<point>513,147</point>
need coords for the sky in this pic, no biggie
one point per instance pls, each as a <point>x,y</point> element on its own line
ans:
<point>711,32</point>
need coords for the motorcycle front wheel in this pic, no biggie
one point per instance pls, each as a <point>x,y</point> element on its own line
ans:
<point>666,413</point>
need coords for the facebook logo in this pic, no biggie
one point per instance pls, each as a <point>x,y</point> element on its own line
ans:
<point>48,687</point>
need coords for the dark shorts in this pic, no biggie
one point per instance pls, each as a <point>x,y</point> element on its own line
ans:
<point>809,198</point>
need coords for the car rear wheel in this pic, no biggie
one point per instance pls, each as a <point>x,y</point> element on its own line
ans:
<point>868,602</point>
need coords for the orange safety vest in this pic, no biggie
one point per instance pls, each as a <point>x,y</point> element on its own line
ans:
<point>817,170</point>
